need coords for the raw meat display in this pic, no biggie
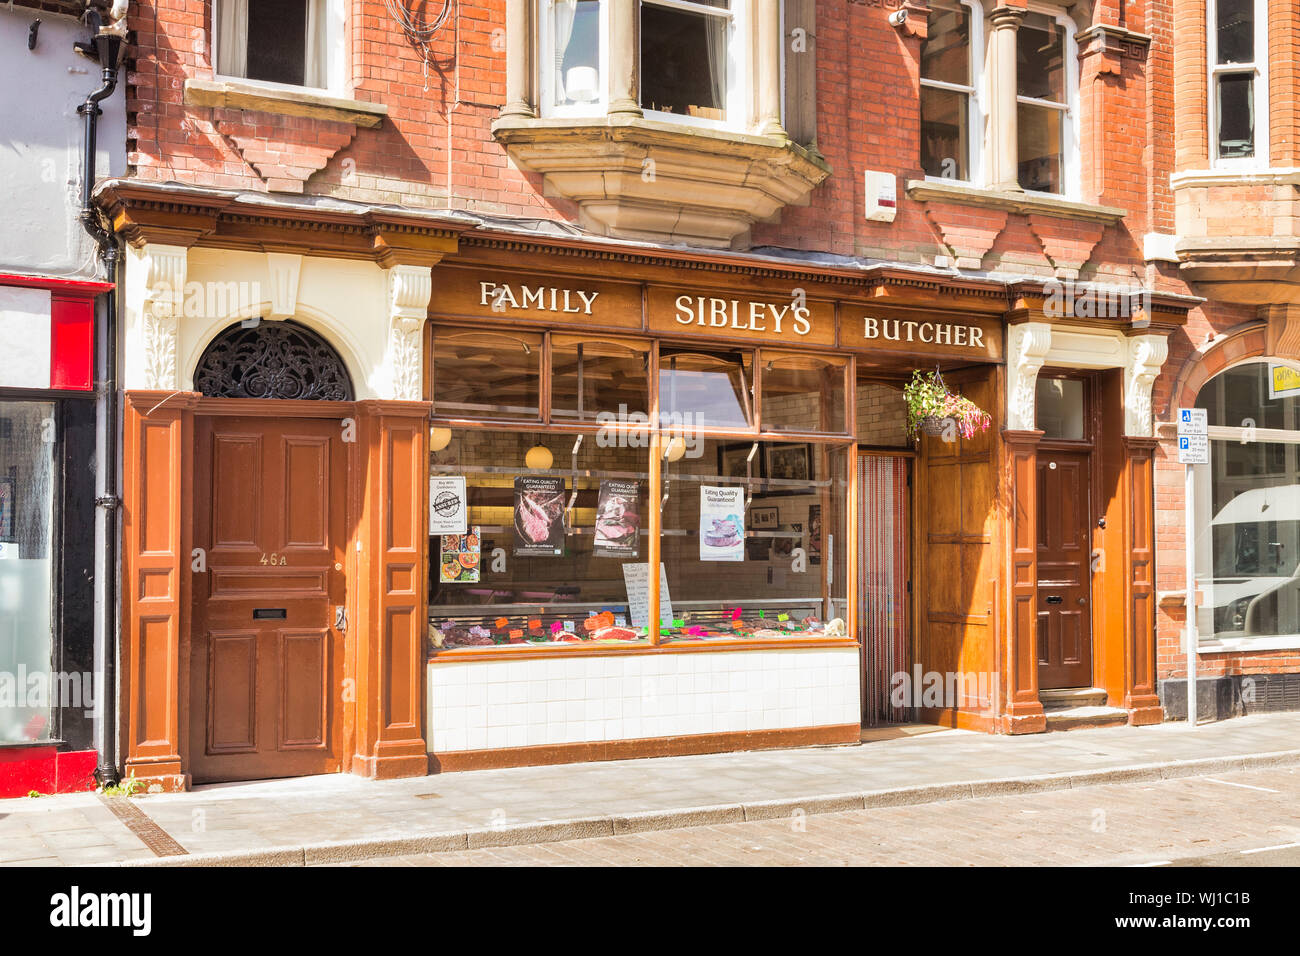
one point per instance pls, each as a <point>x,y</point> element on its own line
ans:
<point>723,534</point>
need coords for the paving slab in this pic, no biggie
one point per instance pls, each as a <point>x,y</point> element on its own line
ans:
<point>344,818</point>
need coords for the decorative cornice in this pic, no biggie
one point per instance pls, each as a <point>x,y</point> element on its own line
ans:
<point>1114,40</point>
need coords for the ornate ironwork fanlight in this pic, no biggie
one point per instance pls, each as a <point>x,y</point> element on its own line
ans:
<point>272,360</point>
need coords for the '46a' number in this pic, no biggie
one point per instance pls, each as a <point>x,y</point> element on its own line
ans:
<point>274,559</point>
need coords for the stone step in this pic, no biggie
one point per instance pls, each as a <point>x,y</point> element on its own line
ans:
<point>1060,698</point>
<point>1074,718</point>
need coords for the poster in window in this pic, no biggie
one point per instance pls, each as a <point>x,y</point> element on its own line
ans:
<point>814,534</point>
<point>722,523</point>
<point>539,516</point>
<point>618,519</point>
<point>458,557</point>
<point>6,508</point>
<point>447,511</point>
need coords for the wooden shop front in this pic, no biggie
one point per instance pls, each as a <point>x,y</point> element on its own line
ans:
<point>433,549</point>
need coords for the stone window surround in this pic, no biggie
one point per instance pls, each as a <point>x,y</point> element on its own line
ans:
<point>282,101</point>
<point>1260,160</point>
<point>995,158</point>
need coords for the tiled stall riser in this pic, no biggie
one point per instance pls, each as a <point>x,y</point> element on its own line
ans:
<point>478,705</point>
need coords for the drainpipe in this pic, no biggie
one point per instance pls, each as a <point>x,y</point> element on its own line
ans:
<point>106,47</point>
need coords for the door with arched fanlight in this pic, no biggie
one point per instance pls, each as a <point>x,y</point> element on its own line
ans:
<point>269,530</point>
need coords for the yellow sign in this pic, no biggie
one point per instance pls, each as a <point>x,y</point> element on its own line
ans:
<point>1283,380</point>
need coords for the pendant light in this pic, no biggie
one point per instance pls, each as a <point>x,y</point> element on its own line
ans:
<point>539,458</point>
<point>439,438</point>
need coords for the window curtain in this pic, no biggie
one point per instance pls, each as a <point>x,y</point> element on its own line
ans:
<point>232,37</point>
<point>716,36</point>
<point>562,22</point>
<point>315,64</point>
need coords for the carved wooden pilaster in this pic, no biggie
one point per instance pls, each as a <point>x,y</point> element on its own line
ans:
<point>1024,712</point>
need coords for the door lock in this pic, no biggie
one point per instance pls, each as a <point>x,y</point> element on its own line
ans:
<point>341,617</point>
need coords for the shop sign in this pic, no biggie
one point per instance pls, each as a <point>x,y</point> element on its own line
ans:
<point>512,295</point>
<point>1283,380</point>
<point>795,319</point>
<point>926,336</point>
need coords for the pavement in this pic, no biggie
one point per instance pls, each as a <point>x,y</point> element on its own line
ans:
<point>341,818</point>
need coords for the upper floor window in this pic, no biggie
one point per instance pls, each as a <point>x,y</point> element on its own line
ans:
<point>688,61</point>
<point>950,126</point>
<point>1046,82</point>
<point>1237,41</point>
<point>287,42</point>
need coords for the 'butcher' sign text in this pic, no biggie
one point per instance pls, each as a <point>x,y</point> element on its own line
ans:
<point>926,333</point>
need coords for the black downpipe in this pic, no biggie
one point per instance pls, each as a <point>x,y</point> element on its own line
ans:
<point>106,47</point>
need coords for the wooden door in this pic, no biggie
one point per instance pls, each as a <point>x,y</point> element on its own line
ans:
<point>266,657</point>
<point>1064,570</point>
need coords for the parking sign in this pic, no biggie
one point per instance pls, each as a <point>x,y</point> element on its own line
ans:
<point>1193,437</point>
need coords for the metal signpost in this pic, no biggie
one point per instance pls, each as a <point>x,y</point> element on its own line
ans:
<point>1193,449</point>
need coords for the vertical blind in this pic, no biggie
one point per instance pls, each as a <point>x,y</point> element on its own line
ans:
<point>882,582</point>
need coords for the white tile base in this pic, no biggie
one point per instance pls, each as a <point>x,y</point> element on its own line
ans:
<point>485,704</point>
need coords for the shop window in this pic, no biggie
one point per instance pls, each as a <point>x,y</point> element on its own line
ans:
<point>1247,542</point>
<point>599,380</point>
<point>1059,407</point>
<point>1237,41</point>
<point>28,571</point>
<point>764,557</point>
<point>802,393</point>
<point>552,519</point>
<point>275,41</point>
<point>487,374</point>
<point>706,389</point>
<point>1046,74</point>
<point>949,109</point>
<point>685,58</point>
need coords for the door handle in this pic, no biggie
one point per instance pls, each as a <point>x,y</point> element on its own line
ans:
<point>341,617</point>
<point>1083,600</point>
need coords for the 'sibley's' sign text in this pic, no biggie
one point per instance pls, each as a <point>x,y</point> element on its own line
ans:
<point>736,315</point>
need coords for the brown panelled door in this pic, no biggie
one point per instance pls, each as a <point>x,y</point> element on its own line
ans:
<point>266,654</point>
<point>1064,571</point>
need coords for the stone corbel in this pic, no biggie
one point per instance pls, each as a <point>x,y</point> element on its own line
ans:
<point>409,290</point>
<point>284,270</point>
<point>1146,355</point>
<point>161,307</point>
<point>1028,347</point>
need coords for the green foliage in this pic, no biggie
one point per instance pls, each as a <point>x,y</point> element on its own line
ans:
<point>927,396</point>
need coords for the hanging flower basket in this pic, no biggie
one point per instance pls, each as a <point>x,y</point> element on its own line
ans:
<point>933,410</point>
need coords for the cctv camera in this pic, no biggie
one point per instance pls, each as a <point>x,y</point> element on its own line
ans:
<point>898,18</point>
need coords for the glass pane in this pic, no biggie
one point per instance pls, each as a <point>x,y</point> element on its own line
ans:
<point>1239,398</point>
<point>882,414</point>
<point>945,146</point>
<point>1059,407</point>
<point>1235,34</point>
<point>1236,115</point>
<point>684,62</point>
<point>575,27</point>
<point>754,540</point>
<point>486,374</point>
<point>545,545</point>
<point>599,378</point>
<point>702,389</point>
<point>27,445</point>
<point>945,53</point>
<point>1040,58</point>
<point>1248,513</point>
<point>802,393</point>
<point>277,41</point>
<point>1039,131</point>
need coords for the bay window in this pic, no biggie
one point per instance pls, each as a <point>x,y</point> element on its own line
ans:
<point>575,60</point>
<point>1237,44</point>
<point>950,122</point>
